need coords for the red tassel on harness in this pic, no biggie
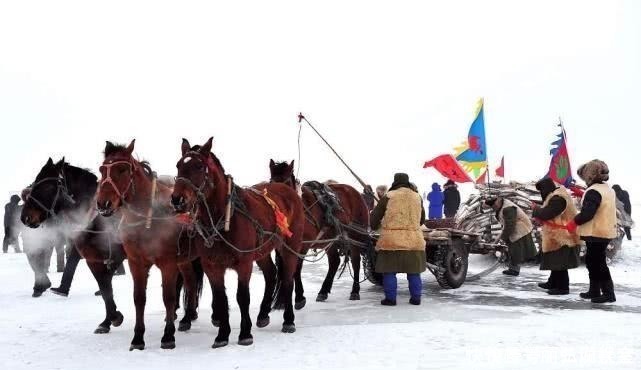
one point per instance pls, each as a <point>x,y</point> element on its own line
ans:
<point>281,219</point>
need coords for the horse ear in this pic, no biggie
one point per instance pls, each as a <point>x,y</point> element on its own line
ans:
<point>206,149</point>
<point>271,163</point>
<point>130,148</point>
<point>49,162</point>
<point>61,163</point>
<point>291,164</point>
<point>109,146</point>
<point>185,146</point>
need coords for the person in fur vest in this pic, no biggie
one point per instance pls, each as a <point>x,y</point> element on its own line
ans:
<point>560,248</point>
<point>597,226</point>
<point>517,233</point>
<point>401,246</point>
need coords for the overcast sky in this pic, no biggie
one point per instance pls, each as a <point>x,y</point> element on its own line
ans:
<point>389,84</point>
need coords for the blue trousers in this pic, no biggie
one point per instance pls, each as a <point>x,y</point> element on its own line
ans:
<point>390,285</point>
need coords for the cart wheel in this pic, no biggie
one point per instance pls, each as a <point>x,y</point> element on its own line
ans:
<point>453,259</point>
<point>368,256</point>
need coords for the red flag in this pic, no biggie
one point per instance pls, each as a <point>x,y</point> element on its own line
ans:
<point>483,178</point>
<point>447,166</point>
<point>500,172</point>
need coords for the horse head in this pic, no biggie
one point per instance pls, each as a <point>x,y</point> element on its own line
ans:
<point>117,184</point>
<point>282,172</point>
<point>200,178</point>
<point>46,196</point>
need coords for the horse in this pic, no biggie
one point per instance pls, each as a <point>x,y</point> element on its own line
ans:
<point>60,201</point>
<point>260,219</point>
<point>151,236</point>
<point>347,223</point>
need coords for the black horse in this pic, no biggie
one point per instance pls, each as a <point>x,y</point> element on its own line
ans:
<point>60,202</point>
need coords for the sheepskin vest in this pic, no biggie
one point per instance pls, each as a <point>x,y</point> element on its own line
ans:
<point>401,224</point>
<point>523,224</point>
<point>604,223</point>
<point>554,233</point>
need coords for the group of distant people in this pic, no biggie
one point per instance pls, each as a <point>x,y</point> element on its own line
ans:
<point>399,215</point>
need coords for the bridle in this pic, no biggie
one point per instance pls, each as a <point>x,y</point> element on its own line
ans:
<point>61,193</point>
<point>206,171</point>
<point>107,180</point>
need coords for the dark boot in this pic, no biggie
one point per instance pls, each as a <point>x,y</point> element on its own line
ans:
<point>548,284</point>
<point>60,291</point>
<point>608,293</point>
<point>560,284</point>
<point>416,301</point>
<point>388,302</point>
<point>510,272</point>
<point>593,292</point>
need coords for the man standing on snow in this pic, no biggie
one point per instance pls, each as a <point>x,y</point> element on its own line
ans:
<point>624,198</point>
<point>517,233</point>
<point>560,248</point>
<point>435,199</point>
<point>451,199</point>
<point>11,225</point>
<point>401,246</point>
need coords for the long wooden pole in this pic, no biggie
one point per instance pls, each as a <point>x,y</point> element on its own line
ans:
<point>363,184</point>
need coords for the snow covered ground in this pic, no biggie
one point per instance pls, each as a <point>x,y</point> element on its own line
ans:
<point>495,323</point>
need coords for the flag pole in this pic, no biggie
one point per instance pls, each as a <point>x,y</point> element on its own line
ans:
<point>487,158</point>
<point>301,118</point>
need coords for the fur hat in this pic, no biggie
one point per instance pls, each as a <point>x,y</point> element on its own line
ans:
<point>401,180</point>
<point>593,172</point>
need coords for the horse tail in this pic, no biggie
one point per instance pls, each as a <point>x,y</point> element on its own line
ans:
<point>279,279</point>
<point>200,274</point>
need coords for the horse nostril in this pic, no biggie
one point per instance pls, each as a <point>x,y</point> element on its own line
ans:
<point>177,201</point>
<point>107,204</point>
<point>26,219</point>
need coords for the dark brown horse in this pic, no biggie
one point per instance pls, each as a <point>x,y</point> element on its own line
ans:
<point>61,199</point>
<point>258,219</point>
<point>349,223</point>
<point>150,235</point>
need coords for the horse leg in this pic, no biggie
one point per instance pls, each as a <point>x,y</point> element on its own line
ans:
<point>169,272</point>
<point>104,277</point>
<point>216,275</point>
<point>334,262</point>
<point>269,273</point>
<point>290,263</point>
<point>356,266</point>
<point>140,274</point>
<point>243,297</point>
<point>278,303</point>
<point>191,295</point>
<point>299,300</point>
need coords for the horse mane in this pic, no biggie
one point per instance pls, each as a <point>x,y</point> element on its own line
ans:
<point>78,172</point>
<point>119,148</point>
<point>196,148</point>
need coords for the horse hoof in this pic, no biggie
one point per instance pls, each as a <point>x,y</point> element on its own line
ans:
<point>261,323</point>
<point>300,304</point>
<point>289,328</point>
<point>101,330</point>
<point>168,345</point>
<point>246,341</point>
<point>355,297</point>
<point>220,343</point>
<point>215,323</point>
<point>278,306</point>
<point>184,326</point>
<point>118,320</point>
<point>321,297</point>
<point>139,347</point>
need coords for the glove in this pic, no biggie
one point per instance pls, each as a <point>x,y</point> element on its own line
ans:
<point>534,205</point>
<point>571,227</point>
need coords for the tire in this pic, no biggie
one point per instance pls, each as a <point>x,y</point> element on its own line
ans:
<point>453,259</point>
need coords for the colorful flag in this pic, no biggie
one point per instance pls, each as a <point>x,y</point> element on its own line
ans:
<point>449,167</point>
<point>560,171</point>
<point>500,172</point>
<point>472,154</point>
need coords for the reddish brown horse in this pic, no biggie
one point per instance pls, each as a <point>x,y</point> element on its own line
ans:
<point>349,222</point>
<point>150,236</point>
<point>256,227</point>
